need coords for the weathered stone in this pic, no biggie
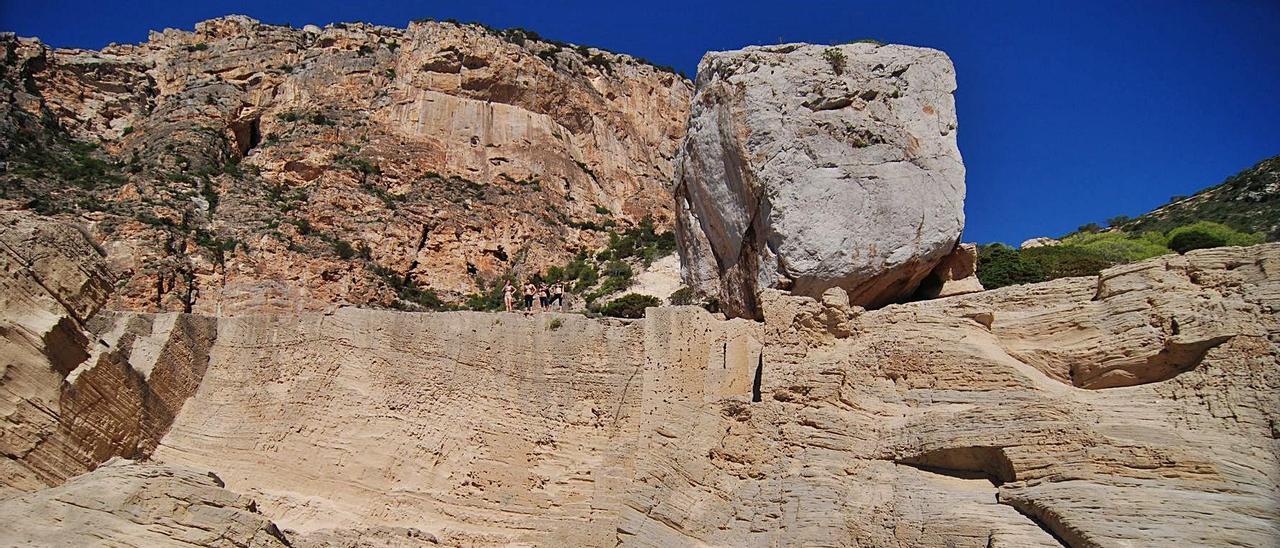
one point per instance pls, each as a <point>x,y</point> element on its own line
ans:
<point>125,503</point>
<point>453,154</point>
<point>956,274</point>
<point>1138,407</point>
<point>71,399</point>
<point>808,167</point>
<point>1042,241</point>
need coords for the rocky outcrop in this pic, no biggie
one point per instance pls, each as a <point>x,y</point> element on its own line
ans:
<point>809,167</point>
<point>1139,407</point>
<point>126,503</point>
<point>245,167</point>
<point>1041,241</point>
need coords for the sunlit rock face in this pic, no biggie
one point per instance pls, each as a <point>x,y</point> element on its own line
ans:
<point>808,167</point>
<point>1138,407</point>
<point>441,154</point>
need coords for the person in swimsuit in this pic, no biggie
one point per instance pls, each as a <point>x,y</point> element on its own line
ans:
<point>544,296</point>
<point>529,292</point>
<point>509,296</point>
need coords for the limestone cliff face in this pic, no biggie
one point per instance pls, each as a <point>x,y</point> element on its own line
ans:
<point>1138,408</point>
<point>246,167</point>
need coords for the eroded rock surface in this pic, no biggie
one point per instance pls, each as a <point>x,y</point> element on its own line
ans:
<point>134,504</point>
<point>809,167</point>
<point>1136,408</point>
<point>71,398</point>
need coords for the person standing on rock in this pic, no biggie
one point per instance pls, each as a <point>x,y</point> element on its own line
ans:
<point>529,291</point>
<point>544,296</point>
<point>509,296</point>
<point>557,295</point>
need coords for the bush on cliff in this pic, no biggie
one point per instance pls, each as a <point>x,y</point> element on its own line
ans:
<point>1205,234</point>
<point>631,305</point>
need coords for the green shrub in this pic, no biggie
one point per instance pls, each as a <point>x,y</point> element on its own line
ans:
<point>683,296</point>
<point>1064,261</point>
<point>1000,265</point>
<point>631,305</point>
<point>618,269</point>
<point>555,324</point>
<point>1118,247</point>
<point>836,58</point>
<point>1205,234</point>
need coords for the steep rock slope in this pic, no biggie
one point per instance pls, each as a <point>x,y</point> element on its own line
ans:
<point>247,167</point>
<point>71,399</point>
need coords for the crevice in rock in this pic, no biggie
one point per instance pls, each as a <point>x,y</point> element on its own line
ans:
<point>967,462</point>
<point>759,378</point>
<point>1037,519</point>
<point>246,134</point>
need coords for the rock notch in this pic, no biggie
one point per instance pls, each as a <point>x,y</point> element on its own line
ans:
<point>809,167</point>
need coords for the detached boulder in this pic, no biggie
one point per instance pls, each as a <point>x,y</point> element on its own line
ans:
<point>811,167</point>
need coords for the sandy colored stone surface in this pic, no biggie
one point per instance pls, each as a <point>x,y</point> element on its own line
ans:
<point>1070,412</point>
<point>129,504</point>
<point>807,167</point>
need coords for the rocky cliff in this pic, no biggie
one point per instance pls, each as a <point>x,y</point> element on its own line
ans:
<point>1135,408</point>
<point>244,167</point>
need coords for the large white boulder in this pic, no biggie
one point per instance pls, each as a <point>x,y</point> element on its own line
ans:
<point>808,167</point>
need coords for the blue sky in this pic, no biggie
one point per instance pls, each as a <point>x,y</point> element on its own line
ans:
<point>1070,112</point>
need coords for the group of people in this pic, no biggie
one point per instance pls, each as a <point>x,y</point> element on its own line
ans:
<point>543,294</point>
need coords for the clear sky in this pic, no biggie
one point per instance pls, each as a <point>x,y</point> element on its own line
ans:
<point>1070,112</point>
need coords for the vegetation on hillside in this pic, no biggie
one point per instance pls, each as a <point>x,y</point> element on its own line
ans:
<point>1087,253</point>
<point>1248,201</point>
<point>594,275</point>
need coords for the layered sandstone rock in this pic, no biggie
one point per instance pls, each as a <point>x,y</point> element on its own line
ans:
<point>809,167</point>
<point>70,398</point>
<point>1135,408</point>
<point>244,167</point>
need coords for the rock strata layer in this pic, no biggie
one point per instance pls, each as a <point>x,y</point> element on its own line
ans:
<point>809,167</point>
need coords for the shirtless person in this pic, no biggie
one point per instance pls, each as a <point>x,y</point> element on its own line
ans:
<point>557,295</point>
<point>544,296</point>
<point>529,291</point>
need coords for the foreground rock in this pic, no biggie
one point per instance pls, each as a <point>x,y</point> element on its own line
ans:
<point>1135,408</point>
<point>809,167</point>
<point>124,503</point>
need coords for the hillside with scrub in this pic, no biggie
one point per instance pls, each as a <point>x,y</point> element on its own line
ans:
<point>1241,211</point>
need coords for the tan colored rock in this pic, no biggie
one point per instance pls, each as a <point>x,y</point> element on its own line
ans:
<point>445,155</point>
<point>133,504</point>
<point>1072,409</point>
<point>956,274</point>
<point>72,399</point>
